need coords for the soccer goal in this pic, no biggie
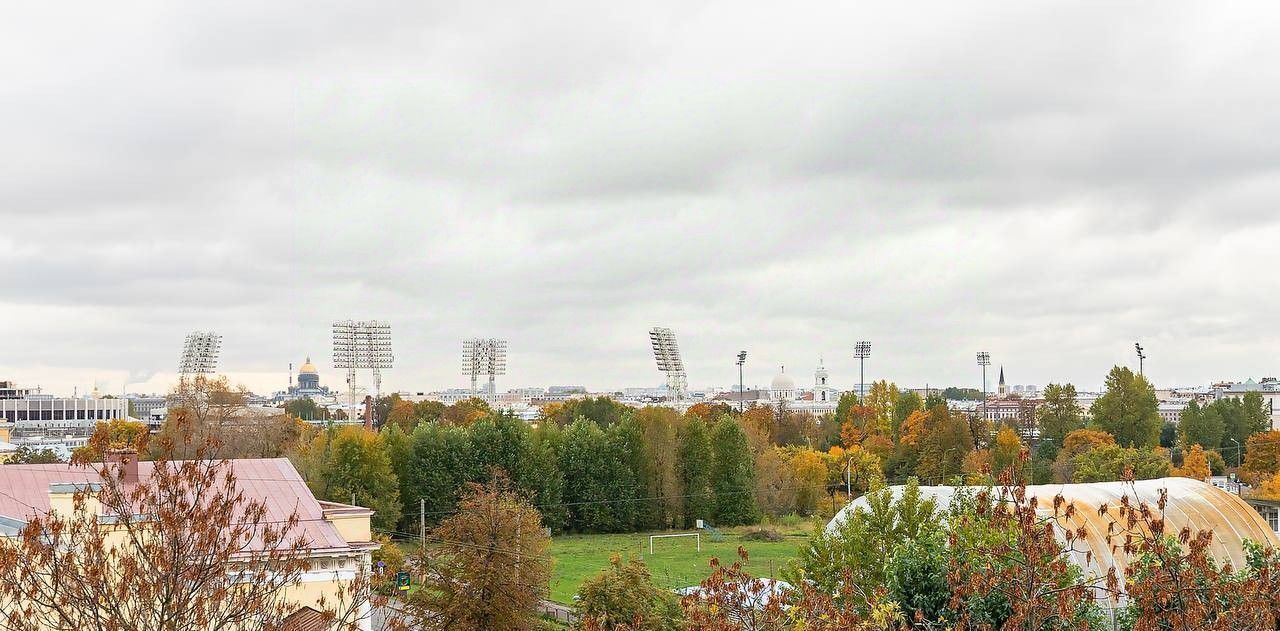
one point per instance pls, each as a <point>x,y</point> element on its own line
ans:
<point>696,535</point>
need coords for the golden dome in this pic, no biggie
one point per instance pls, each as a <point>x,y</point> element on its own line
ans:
<point>308,368</point>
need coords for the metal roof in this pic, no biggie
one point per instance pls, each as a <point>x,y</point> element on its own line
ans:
<point>24,492</point>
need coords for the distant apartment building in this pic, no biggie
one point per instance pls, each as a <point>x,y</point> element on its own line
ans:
<point>37,415</point>
<point>145,406</point>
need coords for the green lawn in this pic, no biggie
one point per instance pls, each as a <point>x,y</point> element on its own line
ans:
<point>675,562</point>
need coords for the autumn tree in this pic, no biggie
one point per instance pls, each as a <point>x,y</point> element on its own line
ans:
<point>810,475</point>
<point>944,446</point>
<point>881,397</point>
<point>110,435</point>
<point>1128,410</point>
<point>488,566</point>
<point>659,427</point>
<point>464,413</point>
<point>351,465</point>
<point>128,542</point>
<point>623,596</point>
<point>907,403</point>
<point>1076,443</point>
<point>399,412</point>
<point>1262,456</point>
<point>1195,465</point>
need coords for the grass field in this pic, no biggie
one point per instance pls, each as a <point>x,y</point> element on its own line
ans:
<point>675,562</point>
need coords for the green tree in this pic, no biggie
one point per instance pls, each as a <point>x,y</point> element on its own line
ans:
<point>1060,414</point>
<point>399,448</point>
<point>1128,410</point>
<point>1241,418</point>
<point>598,483</point>
<point>695,471</point>
<point>358,467</point>
<point>542,478</point>
<point>1108,463</point>
<point>26,455</point>
<point>843,407</point>
<point>862,541</point>
<point>626,446</point>
<point>1169,435</point>
<point>500,442</point>
<point>1201,426</point>
<point>441,462</point>
<point>916,576</point>
<point>624,596</point>
<point>306,409</point>
<point>961,394</point>
<point>732,475</point>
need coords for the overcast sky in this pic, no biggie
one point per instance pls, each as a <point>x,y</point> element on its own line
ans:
<point>1045,181</point>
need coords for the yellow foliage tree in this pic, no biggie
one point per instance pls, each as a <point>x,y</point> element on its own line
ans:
<point>1195,465</point>
<point>1270,489</point>
<point>811,479</point>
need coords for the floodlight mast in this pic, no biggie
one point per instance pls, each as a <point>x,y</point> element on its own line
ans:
<point>742,359</point>
<point>984,360</point>
<point>362,344</point>
<point>667,353</point>
<point>487,356</point>
<point>199,353</point>
<point>1142,357</point>
<point>862,350</point>
<point>199,357</point>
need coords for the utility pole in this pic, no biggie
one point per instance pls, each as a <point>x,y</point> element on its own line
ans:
<point>742,359</point>
<point>422,522</point>
<point>862,350</point>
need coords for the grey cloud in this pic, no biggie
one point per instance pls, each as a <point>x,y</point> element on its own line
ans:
<point>1048,181</point>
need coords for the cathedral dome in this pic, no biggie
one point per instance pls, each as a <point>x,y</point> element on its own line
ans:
<point>308,368</point>
<point>783,382</point>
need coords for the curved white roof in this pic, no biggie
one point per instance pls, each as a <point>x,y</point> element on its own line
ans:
<point>1192,504</point>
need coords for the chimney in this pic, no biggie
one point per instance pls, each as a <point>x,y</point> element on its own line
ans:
<point>125,460</point>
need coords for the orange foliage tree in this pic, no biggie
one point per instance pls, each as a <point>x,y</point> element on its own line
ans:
<point>1262,457</point>
<point>1195,465</point>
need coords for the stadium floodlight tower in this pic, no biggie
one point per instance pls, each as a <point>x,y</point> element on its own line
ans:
<point>484,356</point>
<point>984,360</point>
<point>667,353</point>
<point>362,344</point>
<point>199,354</point>
<point>862,350</point>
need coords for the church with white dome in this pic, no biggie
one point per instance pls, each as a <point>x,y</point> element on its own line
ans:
<point>783,391</point>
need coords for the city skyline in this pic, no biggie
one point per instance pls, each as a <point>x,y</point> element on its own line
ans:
<point>1042,182</point>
